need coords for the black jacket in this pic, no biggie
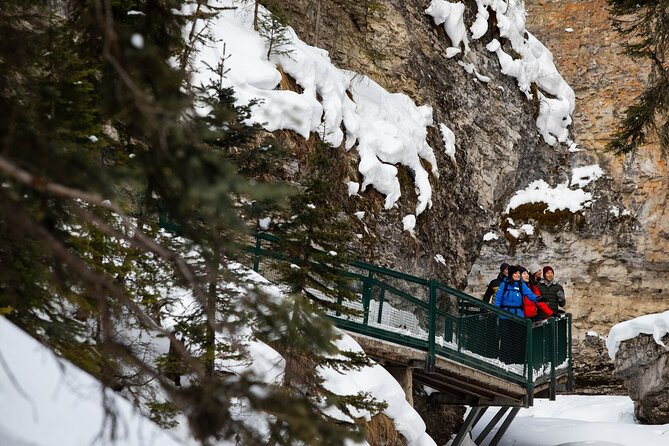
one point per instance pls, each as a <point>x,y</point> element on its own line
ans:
<point>552,293</point>
<point>492,288</point>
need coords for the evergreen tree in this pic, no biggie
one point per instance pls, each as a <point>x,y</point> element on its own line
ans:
<point>98,127</point>
<point>646,24</point>
<point>271,25</point>
<point>314,234</point>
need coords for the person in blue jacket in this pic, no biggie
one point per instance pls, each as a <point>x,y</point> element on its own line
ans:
<point>509,298</point>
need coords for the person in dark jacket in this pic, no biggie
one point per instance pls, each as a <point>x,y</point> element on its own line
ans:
<point>551,291</point>
<point>494,283</point>
<point>509,297</point>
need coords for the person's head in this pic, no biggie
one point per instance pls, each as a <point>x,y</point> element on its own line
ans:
<point>549,274</point>
<point>514,273</point>
<point>504,269</point>
<point>535,271</point>
<point>524,274</point>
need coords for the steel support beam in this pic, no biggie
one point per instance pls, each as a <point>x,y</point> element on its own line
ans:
<point>505,425</point>
<point>474,415</point>
<point>484,433</point>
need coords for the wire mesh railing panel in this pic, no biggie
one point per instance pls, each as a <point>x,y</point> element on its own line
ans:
<point>391,310</point>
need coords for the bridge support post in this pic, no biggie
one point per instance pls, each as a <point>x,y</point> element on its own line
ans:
<point>484,433</point>
<point>404,376</point>
<point>474,415</point>
<point>505,425</point>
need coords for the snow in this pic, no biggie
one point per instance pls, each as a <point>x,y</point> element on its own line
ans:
<point>569,30</point>
<point>533,67</point>
<point>360,214</point>
<point>451,15</point>
<point>582,176</point>
<point>490,236</point>
<point>556,198</point>
<point>56,403</point>
<point>263,223</point>
<point>409,223</point>
<point>385,128</point>
<point>93,138</point>
<point>448,137</point>
<point>379,383</point>
<point>656,324</point>
<point>353,188</point>
<point>471,69</point>
<point>137,41</point>
<point>576,420</point>
<point>440,259</point>
<point>527,229</point>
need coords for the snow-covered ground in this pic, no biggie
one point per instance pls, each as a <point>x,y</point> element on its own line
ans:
<point>574,420</point>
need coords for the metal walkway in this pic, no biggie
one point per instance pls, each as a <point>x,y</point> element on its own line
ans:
<point>468,351</point>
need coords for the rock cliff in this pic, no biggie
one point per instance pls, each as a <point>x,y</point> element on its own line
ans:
<point>644,366</point>
<point>613,258</point>
<point>399,46</point>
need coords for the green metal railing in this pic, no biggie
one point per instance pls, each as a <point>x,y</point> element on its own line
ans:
<point>444,322</point>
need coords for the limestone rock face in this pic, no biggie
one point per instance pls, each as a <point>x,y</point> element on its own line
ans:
<point>593,369</point>
<point>613,259</point>
<point>644,366</point>
<point>395,43</point>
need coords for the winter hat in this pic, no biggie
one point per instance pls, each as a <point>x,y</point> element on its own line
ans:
<point>548,267</point>
<point>522,269</point>
<point>534,268</point>
<point>503,266</point>
<point>513,269</point>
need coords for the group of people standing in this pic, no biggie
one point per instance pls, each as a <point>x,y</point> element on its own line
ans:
<point>525,292</point>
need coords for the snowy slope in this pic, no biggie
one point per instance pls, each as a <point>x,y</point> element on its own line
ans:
<point>45,401</point>
<point>341,107</point>
<point>51,393</point>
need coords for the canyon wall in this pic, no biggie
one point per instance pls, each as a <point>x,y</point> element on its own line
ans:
<point>614,259</point>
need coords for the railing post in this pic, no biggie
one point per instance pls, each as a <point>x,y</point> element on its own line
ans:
<point>570,375</point>
<point>366,297</point>
<point>256,259</point>
<point>381,299</point>
<point>554,355</point>
<point>458,329</point>
<point>530,366</point>
<point>432,305</point>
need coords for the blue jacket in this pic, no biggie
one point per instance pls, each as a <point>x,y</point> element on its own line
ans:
<point>510,294</point>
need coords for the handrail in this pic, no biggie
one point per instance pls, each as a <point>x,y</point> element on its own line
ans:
<point>467,330</point>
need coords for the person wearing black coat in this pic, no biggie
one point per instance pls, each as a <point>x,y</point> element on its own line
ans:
<point>494,283</point>
<point>551,291</point>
